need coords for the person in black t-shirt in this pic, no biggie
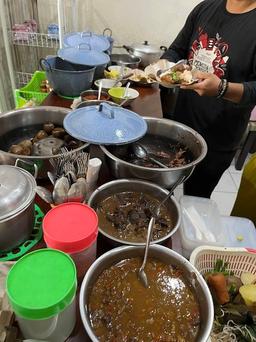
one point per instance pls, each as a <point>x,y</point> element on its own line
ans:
<point>219,40</point>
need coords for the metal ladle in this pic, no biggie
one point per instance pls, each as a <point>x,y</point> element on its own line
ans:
<point>45,194</point>
<point>142,153</point>
<point>142,274</point>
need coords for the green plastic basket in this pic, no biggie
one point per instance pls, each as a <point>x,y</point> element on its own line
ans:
<point>31,91</point>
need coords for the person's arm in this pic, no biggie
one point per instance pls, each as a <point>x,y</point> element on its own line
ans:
<point>242,93</point>
<point>179,48</point>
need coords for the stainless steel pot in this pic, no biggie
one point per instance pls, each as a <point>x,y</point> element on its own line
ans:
<point>129,61</point>
<point>164,177</point>
<point>167,256</point>
<point>17,120</point>
<point>17,194</point>
<point>147,52</point>
<point>135,185</point>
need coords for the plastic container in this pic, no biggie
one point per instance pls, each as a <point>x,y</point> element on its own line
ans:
<point>73,228</point>
<point>31,91</point>
<point>41,289</point>
<point>201,223</point>
<point>239,259</point>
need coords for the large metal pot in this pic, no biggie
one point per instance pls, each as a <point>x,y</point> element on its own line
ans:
<point>135,185</point>
<point>167,256</point>
<point>147,52</point>
<point>67,79</point>
<point>16,122</point>
<point>17,194</point>
<point>164,177</point>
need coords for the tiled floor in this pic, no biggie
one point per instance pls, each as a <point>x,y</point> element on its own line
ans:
<point>225,192</point>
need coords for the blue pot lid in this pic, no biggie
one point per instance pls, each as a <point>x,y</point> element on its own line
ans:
<point>84,55</point>
<point>105,125</point>
<point>97,42</point>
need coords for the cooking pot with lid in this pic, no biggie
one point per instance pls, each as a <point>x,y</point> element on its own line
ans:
<point>17,194</point>
<point>147,52</point>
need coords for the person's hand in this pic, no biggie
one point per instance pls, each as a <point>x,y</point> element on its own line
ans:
<point>207,85</point>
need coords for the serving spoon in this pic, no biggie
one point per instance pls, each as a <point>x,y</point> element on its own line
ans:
<point>142,274</point>
<point>142,153</point>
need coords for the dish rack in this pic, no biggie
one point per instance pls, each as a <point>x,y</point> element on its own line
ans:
<point>239,259</point>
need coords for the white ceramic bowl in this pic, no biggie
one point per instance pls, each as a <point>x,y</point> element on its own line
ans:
<point>107,83</point>
<point>118,68</point>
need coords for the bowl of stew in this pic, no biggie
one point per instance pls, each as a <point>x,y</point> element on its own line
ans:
<point>125,206</point>
<point>115,306</point>
<point>89,95</point>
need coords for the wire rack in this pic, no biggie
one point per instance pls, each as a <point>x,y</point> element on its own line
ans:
<point>22,78</point>
<point>33,39</point>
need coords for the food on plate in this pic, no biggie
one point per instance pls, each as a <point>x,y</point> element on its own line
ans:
<point>141,77</point>
<point>177,76</point>
<point>41,142</point>
<point>126,216</point>
<point>234,304</point>
<point>168,152</point>
<point>122,309</point>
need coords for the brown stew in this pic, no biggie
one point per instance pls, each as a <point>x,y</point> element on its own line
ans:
<point>122,310</point>
<point>126,216</point>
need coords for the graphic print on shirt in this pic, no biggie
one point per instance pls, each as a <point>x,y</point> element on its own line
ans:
<point>209,54</point>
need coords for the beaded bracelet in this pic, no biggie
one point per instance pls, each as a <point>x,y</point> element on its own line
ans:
<point>223,86</point>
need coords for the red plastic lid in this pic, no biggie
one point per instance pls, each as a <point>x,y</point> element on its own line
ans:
<point>70,227</point>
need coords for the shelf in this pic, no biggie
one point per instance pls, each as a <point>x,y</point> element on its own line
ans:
<point>33,39</point>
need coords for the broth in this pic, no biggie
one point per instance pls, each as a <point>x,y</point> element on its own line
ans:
<point>126,216</point>
<point>121,309</point>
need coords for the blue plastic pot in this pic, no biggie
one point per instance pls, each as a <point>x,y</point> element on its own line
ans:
<point>67,79</point>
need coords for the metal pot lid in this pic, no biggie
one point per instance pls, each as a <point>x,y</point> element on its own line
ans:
<point>147,48</point>
<point>17,189</point>
<point>84,55</point>
<point>97,42</point>
<point>105,125</point>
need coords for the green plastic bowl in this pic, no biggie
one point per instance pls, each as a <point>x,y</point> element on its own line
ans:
<point>117,94</point>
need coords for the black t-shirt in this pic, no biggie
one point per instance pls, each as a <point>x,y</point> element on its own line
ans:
<point>216,41</point>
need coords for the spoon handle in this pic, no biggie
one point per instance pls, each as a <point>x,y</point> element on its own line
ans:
<point>150,228</point>
<point>158,162</point>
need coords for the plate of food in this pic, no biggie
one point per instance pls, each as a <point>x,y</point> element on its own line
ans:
<point>139,77</point>
<point>177,75</point>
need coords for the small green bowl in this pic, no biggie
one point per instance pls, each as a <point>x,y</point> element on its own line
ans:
<point>117,94</point>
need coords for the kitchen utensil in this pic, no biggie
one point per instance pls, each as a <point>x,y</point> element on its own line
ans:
<point>17,194</point>
<point>99,93</point>
<point>51,177</point>
<point>60,191</point>
<point>135,185</point>
<point>165,255</point>
<point>180,133</point>
<point>121,78</point>
<point>23,124</point>
<point>107,32</point>
<point>142,153</point>
<point>147,52</point>
<point>142,275</point>
<point>45,194</point>
<point>97,42</point>
<point>92,175</point>
<point>75,193</point>
<point>66,78</point>
<point>107,83</point>
<point>129,61</point>
<point>125,96</point>
<point>84,55</point>
<point>123,125</point>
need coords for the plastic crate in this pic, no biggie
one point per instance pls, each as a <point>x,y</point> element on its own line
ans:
<point>31,91</point>
<point>239,259</point>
